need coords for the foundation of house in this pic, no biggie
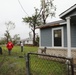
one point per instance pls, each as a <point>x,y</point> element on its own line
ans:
<point>59,52</point>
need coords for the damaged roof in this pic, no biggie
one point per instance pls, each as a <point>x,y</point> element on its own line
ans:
<point>51,24</point>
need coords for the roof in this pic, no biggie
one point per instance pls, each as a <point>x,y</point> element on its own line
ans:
<point>68,11</point>
<point>62,16</point>
<point>30,39</point>
<point>54,23</point>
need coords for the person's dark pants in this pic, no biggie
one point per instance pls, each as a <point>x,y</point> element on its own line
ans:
<point>9,52</point>
<point>0,50</point>
<point>21,48</point>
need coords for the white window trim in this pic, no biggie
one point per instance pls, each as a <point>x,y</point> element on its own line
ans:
<point>61,35</point>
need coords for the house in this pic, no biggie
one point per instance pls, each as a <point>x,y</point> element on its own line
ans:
<point>28,41</point>
<point>60,36</point>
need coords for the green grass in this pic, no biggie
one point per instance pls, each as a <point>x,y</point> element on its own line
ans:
<point>40,66</point>
<point>12,64</point>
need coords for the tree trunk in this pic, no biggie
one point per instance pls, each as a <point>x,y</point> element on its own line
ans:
<point>34,36</point>
<point>7,36</point>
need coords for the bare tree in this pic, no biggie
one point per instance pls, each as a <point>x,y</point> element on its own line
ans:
<point>16,39</point>
<point>9,26</point>
<point>47,9</point>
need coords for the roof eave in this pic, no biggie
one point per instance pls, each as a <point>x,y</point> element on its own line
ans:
<point>67,11</point>
<point>49,26</point>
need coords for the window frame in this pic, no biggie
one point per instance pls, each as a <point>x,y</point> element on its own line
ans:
<point>53,29</point>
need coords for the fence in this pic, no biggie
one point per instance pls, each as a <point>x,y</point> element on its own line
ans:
<point>41,64</point>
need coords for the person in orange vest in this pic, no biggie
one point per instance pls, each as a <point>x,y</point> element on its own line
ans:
<point>9,47</point>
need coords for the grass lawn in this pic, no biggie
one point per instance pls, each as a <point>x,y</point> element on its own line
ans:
<point>44,66</point>
<point>12,64</point>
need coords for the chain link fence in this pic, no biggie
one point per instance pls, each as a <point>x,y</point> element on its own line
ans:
<point>41,64</point>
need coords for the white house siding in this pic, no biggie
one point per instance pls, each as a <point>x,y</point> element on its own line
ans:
<point>29,42</point>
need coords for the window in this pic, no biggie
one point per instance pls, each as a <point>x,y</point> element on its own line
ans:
<point>57,37</point>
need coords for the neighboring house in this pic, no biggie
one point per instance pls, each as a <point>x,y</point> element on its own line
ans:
<point>60,36</point>
<point>29,41</point>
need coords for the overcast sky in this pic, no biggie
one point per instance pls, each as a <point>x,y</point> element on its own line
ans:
<point>10,10</point>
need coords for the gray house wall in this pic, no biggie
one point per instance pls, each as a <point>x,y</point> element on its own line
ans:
<point>65,35</point>
<point>73,35</point>
<point>46,36</point>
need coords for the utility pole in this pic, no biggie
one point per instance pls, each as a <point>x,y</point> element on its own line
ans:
<point>43,11</point>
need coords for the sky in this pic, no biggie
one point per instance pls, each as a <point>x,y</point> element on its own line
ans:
<point>10,10</point>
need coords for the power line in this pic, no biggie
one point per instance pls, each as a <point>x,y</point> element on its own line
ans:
<point>22,7</point>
